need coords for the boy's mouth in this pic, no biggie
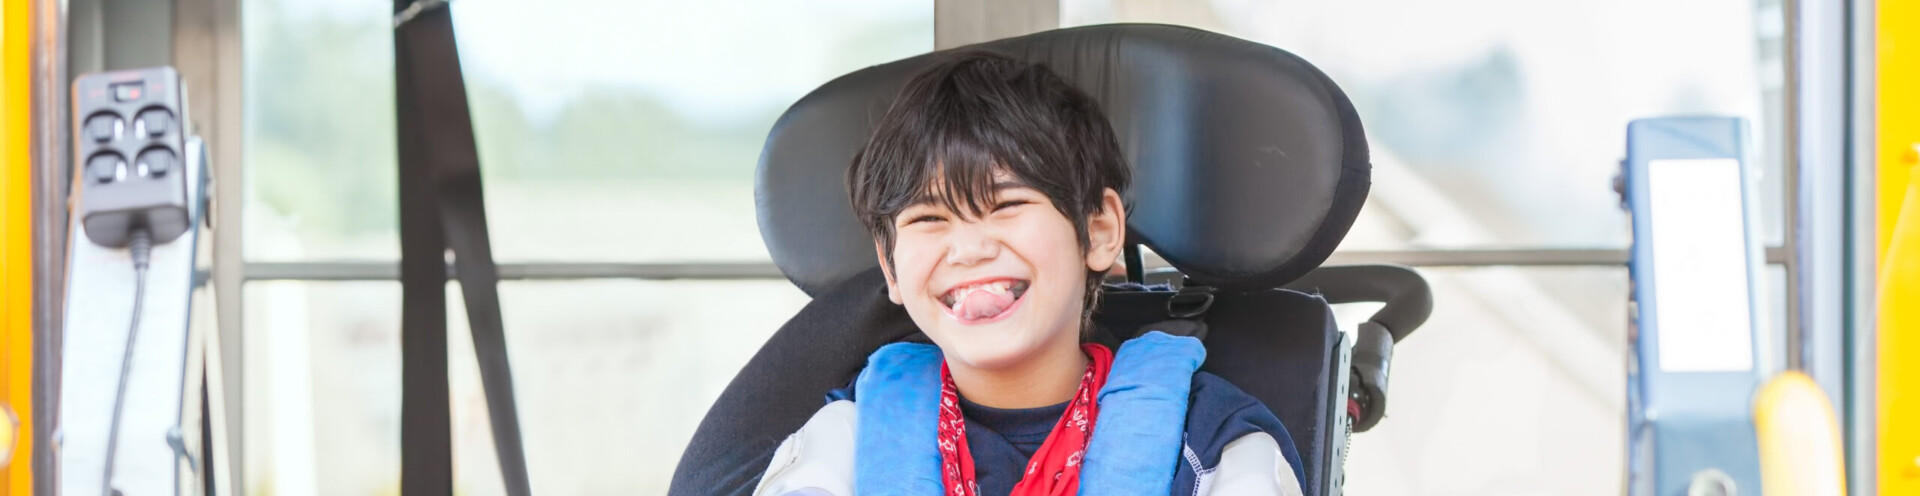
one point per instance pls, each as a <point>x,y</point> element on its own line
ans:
<point>983,300</point>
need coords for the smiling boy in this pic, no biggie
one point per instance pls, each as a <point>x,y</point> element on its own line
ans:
<point>991,188</point>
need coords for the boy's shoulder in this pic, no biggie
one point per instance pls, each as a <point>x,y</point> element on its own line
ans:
<point>1213,404</point>
<point>1218,413</point>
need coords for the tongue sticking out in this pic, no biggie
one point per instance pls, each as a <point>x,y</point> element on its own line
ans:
<point>982,304</point>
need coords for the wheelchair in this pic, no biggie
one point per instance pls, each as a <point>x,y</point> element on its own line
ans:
<point>1250,166</point>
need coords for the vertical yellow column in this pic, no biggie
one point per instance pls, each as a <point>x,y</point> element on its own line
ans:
<point>16,250</point>
<point>1898,127</point>
<point>1897,50</point>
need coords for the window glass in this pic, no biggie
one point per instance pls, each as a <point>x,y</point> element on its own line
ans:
<point>611,377</point>
<point>1515,385</point>
<point>321,405</point>
<point>1501,123</point>
<point>630,131</point>
<point>608,130</point>
<point>319,156</point>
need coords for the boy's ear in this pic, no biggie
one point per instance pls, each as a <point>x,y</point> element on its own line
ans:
<point>1106,232</point>
<point>893,288</point>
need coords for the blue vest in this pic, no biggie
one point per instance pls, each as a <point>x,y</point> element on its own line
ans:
<point>1162,423</point>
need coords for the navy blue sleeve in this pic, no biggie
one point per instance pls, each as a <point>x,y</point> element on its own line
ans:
<point>1217,414</point>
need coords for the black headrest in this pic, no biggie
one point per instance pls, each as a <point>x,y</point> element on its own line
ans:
<point>1249,164</point>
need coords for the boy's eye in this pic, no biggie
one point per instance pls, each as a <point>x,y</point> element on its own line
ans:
<point>1009,204</point>
<point>923,218</point>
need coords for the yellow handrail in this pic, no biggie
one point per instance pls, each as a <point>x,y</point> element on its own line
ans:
<point>1799,439</point>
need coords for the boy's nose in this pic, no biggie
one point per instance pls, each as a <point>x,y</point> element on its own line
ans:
<point>971,245</point>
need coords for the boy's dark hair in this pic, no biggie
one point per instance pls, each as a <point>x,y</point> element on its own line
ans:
<point>971,114</point>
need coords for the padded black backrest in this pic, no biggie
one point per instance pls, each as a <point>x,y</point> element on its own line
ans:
<point>1275,344</point>
<point>1249,164</point>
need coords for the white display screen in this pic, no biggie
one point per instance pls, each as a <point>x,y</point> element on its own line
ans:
<point>1702,311</point>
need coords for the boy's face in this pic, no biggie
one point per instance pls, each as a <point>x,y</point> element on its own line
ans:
<point>998,290</point>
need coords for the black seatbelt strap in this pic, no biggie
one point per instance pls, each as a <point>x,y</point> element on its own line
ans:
<point>441,207</point>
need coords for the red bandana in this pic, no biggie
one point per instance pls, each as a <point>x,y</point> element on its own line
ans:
<point>1056,463</point>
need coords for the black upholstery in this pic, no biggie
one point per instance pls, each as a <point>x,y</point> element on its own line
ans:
<point>1249,167</point>
<point>1249,164</point>
<point>1274,344</point>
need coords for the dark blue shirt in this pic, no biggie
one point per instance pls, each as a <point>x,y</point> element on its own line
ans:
<point>1003,440</point>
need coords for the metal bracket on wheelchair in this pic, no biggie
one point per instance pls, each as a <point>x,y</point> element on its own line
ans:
<point>1179,327</point>
<point>1191,302</point>
<point>1372,352</point>
<point>1409,301</point>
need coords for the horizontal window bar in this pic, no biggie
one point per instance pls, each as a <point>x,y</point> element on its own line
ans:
<point>387,271</point>
<point>1499,257</point>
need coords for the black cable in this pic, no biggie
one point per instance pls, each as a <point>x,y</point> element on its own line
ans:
<point>140,245</point>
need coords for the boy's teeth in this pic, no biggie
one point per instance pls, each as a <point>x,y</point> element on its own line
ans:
<point>959,294</point>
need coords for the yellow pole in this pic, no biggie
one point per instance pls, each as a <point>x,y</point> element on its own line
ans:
<point>16,251</point>
<point>1799,439</point>
<point>1898,359</point>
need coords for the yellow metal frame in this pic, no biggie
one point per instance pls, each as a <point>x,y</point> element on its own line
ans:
<point>1898,129</point>
<point>16,250</point>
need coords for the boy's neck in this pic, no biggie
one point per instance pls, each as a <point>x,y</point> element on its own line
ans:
<point>1046,380</point>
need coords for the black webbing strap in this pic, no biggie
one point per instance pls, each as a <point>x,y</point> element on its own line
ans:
<point>440,208</point>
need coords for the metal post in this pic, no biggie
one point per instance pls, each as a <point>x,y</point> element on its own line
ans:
<point>1790,181</point>
<point>207,50</point>
<point>1817,158</point>
<point>1862,261</point>
<point>49,149</point>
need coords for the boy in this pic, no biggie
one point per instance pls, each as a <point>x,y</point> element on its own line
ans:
<point>991,188</point>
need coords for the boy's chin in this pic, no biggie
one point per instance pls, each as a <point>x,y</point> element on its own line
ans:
<point>992,346</point>
<point>991,357</point>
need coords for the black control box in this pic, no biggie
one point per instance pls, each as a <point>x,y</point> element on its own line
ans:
<point>129,146</point>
